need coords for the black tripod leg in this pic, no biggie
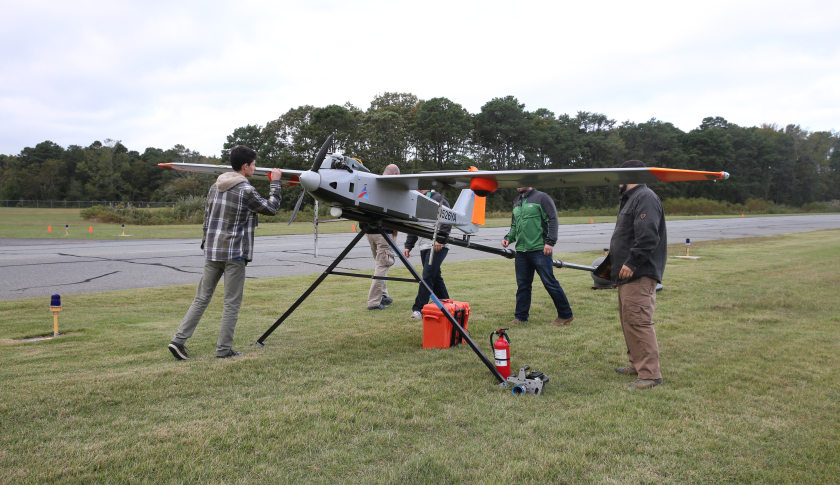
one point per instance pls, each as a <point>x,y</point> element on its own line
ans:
<point>443,309</point>
<point>311,288</point>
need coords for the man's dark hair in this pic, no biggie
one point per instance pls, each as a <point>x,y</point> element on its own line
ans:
<point>241,155</point>
<point>633,164</point>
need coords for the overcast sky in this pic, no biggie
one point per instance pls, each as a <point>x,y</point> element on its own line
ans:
<point>157,74</point>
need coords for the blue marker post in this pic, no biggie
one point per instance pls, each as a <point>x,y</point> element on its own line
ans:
<point>55,306</point>
<point>687,244</point>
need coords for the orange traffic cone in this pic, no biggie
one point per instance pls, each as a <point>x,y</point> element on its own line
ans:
<point>90,229</point>
<point>742,215</point>
<point>49,228</point>
<point>353,228</point>
<point>591,221</point>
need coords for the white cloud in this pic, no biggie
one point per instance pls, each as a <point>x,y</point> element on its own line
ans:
<point>158,74</point>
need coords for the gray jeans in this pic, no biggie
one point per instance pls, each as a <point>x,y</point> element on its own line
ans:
<point>234,273</point>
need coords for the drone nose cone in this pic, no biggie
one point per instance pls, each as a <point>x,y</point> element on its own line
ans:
<point>310,180</point>
<point>725,175</point>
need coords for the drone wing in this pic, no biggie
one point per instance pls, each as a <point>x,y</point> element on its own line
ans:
<point>289,177</point>
<point>459,179</point>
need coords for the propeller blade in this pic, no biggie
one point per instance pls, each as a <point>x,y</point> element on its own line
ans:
<point>297,207</point>
<point>321,154</point>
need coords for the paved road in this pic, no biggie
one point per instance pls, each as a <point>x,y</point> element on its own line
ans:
<point>39,268</point>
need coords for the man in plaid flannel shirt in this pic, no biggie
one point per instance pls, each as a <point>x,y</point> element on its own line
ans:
<point>230,217</point>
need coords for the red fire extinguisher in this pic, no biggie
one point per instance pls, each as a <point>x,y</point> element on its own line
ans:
<point>501,350</point>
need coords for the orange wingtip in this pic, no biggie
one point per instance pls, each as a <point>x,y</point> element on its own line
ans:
<point>674,175</point>
<point>171,166</point>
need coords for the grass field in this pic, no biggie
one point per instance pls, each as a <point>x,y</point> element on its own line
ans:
<point>748,336</point>
<point>20,223</point>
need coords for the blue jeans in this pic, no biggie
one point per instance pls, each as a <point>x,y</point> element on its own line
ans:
<point>526,264</point>
<point>432,277</point>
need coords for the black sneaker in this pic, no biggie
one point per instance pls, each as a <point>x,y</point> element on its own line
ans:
<point>179,351</point>
<point>386,300</point>
<point>230,353</point>
<point>378,307</point>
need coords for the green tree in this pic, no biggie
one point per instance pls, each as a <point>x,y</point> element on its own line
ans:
<point>248,135</point>
<point>103,166</point>
<point>441,131</point>
<point>404,104</point>
<point>709,148</point>
<point>34,157</point>
<point>27,177</point>
<point>553,141</point>
<point>9,168</point>
<point>334,120</point>
<point>812,172</point>
<point>655,142</point>
<point>502,131</point>
<point>598,145</point>
<point>385,137</point>
<point>49,178</point>
<point>383,131</point>
<point>291,145</point>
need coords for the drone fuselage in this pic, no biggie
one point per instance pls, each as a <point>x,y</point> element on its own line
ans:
<point>359,191</point>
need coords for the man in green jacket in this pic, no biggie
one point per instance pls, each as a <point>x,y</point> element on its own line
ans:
<point>533,228</point>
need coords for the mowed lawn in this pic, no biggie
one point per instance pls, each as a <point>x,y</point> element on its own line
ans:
<point>749,336</point>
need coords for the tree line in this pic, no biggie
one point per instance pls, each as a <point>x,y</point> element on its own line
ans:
<point>786,165</point>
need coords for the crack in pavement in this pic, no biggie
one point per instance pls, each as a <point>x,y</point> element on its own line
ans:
<point>131,262</point>
<point>68,284</point>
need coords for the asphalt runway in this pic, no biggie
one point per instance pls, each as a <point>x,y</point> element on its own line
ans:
<point>39,268</point>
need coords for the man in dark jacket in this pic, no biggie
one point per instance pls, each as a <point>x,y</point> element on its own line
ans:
<point>432,254</point>
<point>230,217</point>
<point>533,228</point>
<point>638,250</point>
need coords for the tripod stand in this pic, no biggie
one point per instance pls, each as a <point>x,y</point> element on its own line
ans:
<point>375,227</point>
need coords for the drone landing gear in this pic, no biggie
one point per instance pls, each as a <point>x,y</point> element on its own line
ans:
<point>374,228</point>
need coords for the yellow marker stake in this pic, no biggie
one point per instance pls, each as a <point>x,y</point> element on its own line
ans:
<point>55,310</point>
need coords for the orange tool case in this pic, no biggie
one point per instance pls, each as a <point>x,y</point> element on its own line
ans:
<point>438,332</point>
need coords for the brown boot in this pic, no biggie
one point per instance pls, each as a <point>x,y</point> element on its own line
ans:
<point>644,383</point>
<point>514,322</point>
<point>559,322</point>
<point>627,371</point>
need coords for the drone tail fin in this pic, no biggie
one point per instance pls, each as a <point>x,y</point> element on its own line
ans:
<point>471,207</point>
<point>478,210</point>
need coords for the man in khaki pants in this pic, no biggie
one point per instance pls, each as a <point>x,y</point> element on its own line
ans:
<point>378,298</point>
<point>638,250</point>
